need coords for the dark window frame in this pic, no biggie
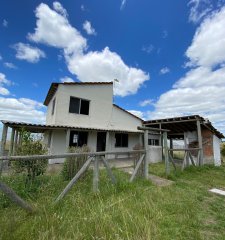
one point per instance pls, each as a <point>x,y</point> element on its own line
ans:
<point>153,142</point>
<point>78,109</point>
<point>81,141</point>
<point>122,140</point>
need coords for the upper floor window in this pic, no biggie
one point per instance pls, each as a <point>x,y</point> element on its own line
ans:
<point>53,106</point>
<point>153,142</point>
<point>121,140</point>
<point>79,106</point>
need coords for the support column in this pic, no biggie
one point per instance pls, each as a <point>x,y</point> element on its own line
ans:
<point>67,138</point>
<point>15,142</point>
<point>12,141</point>
<point>167,166</point>
<point>146,161</point>
<point>186,146</point>
<point>199,132</point>
<point>107,145</point>
<point>171,146</point>
<point>3,142</point>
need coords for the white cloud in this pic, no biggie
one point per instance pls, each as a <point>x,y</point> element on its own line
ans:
<point>88,28</point>
<point>28,53</point>
<point>137,113</point>
<point>105,66</point>
<point>199,9</point>
<point>5,23</point>
<point>146,102</point>
<point>4,81</point>
<point>55,30</point>
<point>123,3</point>
<point>66,79</point>
<point>23,109</point>
<point>10,65</point>
<point>59,8</point>
<point>148,49</point>
<point>208,44</point>
<point>164,70</point>
<point>201,90</point>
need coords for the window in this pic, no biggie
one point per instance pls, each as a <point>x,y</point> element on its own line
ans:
<point>79,106</point>
<point>53,106</point>
<point>153,142</point>
<point>78,139</point>
<point>121,140</point>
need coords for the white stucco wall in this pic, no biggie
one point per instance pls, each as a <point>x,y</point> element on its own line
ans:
<point>154,154</point>
<point>216,150</point>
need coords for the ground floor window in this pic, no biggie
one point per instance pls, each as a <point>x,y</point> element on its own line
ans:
<point>153,142</point>
<point>78,139</point>
<point>121,140</point>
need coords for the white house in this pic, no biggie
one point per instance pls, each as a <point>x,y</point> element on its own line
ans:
<point>84,113</point>
<point>90,117</point>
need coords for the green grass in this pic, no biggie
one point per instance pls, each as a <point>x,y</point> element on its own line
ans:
<point>139,210</point>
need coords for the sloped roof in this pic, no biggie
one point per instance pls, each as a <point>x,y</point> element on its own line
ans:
<point>183,124</point>
<point>127,112</point>
<point>54,86</point>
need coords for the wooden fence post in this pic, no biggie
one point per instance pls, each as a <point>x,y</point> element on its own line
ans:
<point>200,143</point>
<point>3,142</point>
<point>96,174</point>
<point>12,141</point>
<point>167,166</point>
<point>146,158</point>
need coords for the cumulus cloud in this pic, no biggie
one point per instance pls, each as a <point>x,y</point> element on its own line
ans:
<point>23,109</point>
<point>54,29</point>
<point>59,8</point>
<point>164,70</point>
<point>201,90</point>
<point>88,28</point>
<point>208,44</point>
<point>28,53</point>
<point>66,79</point>
<point>4,81</point>
<point>105,66</point>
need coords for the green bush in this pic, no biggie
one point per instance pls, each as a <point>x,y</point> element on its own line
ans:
<point>223,150</point>
<point>73,164</point>
<point>31,167</point>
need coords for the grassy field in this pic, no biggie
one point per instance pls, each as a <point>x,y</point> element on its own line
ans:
<point>139,210</point>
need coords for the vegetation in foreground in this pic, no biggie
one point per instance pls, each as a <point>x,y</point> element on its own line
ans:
<point>139,210</point>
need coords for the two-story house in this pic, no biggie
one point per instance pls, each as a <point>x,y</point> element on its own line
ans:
<point>88,115</point>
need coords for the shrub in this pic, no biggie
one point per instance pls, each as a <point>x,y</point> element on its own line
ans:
<point>31,167</point>
<point>73,164</point>
<point>223,150</point>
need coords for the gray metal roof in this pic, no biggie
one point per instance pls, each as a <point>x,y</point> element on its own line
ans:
<point>32,127</point>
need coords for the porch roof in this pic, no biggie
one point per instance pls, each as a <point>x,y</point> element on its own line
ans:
<point>179,125</point>
<point>40,128</point>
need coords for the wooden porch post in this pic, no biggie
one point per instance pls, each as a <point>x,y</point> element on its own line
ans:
<point>186,146</point>
<point>166,153</point>
<point>3,142</point>
<point>146,154</point>
<point>12,141</point>
<point>171,146</point>
<point>199,132</point>
<point>15,142</point>
<point>107,147</point>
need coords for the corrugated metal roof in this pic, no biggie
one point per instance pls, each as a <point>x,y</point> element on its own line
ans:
<point>182,124</point>
<point>54,86</point>
<point>43,127</point>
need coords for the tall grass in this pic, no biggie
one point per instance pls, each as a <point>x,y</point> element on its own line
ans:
<point>138,210</point>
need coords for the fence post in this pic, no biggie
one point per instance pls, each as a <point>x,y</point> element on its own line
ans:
<point>146,154</point>
<point>167,166</point>
<point>96,174</point>
<point>3,142</point>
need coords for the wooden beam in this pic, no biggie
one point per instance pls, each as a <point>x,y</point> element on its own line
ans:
<point>12,141</point>
<point>186,146</point>
<point>2,149</point>
<point>15,142</point>
<point>96,174</point>
<point>167,166</point>
<point>137,167</point>
<point>153,129</point>
<point>199,132</point>
<point>146,155</point>
<point>109,171</point>
<point>75,178</point>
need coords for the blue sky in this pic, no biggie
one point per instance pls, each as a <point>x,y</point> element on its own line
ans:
<point>169,56</point>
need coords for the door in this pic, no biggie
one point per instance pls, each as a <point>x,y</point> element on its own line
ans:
<point>101,141</point>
